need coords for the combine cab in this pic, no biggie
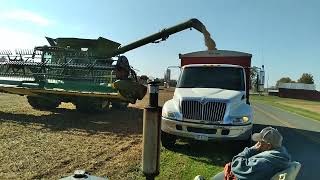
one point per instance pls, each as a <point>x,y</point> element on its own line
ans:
<point>90,73</point>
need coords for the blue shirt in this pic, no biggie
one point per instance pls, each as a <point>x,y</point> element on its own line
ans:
<point>251,164</point>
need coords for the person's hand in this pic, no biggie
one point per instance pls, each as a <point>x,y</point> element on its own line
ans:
<point>262,146</point>
<point>258,146</point>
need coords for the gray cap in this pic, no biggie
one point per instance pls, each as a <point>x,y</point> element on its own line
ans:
<point>269,135</point>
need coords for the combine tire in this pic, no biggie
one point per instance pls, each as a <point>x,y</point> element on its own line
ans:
<point>168,140</point>
<point>91,105</point>
<point>41,103</point>
<point>120,105</point>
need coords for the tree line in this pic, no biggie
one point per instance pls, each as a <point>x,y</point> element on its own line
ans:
<point>305,78</point>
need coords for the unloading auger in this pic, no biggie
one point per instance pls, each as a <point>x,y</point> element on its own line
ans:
<point>91,73</point>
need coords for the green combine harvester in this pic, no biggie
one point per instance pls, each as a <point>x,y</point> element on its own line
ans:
<point>90,73</point>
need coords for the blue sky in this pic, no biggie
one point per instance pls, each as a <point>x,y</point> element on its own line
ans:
<point>282,35</point>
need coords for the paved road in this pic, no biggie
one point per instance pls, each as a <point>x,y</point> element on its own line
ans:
<point>301,136</point>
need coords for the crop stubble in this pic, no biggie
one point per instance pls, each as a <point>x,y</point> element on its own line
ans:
<point>49,145</point>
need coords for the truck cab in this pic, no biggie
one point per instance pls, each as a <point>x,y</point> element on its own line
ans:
<point>211,99</point>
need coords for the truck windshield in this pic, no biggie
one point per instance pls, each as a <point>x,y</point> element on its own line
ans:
<point>231,78</point>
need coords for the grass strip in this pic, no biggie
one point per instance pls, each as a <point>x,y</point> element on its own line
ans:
<point>276,101</point>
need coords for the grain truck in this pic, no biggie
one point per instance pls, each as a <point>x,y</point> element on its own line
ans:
<point>211,99</point>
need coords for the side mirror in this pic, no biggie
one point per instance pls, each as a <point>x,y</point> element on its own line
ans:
<point>261,78</point>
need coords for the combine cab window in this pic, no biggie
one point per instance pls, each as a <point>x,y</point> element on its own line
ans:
<point>48,57</point>
<point>213,77</point>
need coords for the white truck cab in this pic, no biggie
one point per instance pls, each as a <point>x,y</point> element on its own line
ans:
<point>211,99</point>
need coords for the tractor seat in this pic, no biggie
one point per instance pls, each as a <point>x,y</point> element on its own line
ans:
<point>288,174</point>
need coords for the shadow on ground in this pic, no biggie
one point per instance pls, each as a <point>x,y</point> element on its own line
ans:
<point>217,153</point>
<point>124,122</point>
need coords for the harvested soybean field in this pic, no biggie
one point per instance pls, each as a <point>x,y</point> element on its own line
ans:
<point>52,144</point>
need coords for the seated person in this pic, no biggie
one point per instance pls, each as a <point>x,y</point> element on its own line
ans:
<point>261,161</point>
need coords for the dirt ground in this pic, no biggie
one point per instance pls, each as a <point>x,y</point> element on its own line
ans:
<point>50,145</point>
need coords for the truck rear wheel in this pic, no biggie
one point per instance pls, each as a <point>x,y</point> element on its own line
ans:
<point>168,140</point>
<point>41,103</point>
<point>91,105</point>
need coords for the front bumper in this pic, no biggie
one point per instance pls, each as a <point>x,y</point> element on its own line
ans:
<point>206,132</point>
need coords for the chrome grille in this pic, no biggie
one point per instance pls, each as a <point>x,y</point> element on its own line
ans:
<point>210,111</point>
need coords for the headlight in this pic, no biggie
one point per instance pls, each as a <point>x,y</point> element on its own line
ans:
<point>241,120</point>
<point>245,119</point>
<point>171,115</point>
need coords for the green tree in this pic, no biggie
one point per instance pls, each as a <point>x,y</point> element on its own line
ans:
<point>284,80</point>
<point>306,78</point>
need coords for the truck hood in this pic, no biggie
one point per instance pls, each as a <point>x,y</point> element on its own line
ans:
<point>210,93</point>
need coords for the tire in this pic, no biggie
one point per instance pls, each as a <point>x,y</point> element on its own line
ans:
<point>120,105</point>
<point>246,143</point>
<point>41,103</point>
<point>168,140</point>
<point>91,105</point>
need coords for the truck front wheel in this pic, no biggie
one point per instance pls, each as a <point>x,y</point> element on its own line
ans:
<point>247,142</point>
<point>167,140</point>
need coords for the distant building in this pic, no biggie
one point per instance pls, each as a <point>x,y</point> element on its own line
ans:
<point>297,86</point>
<point>299,91</point>
<point>273,92</point>
<point>167,78</point>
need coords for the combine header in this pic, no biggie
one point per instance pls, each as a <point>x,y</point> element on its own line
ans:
<point>90,73</point>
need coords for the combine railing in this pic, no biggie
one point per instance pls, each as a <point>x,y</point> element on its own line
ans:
<point>29,65</point>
